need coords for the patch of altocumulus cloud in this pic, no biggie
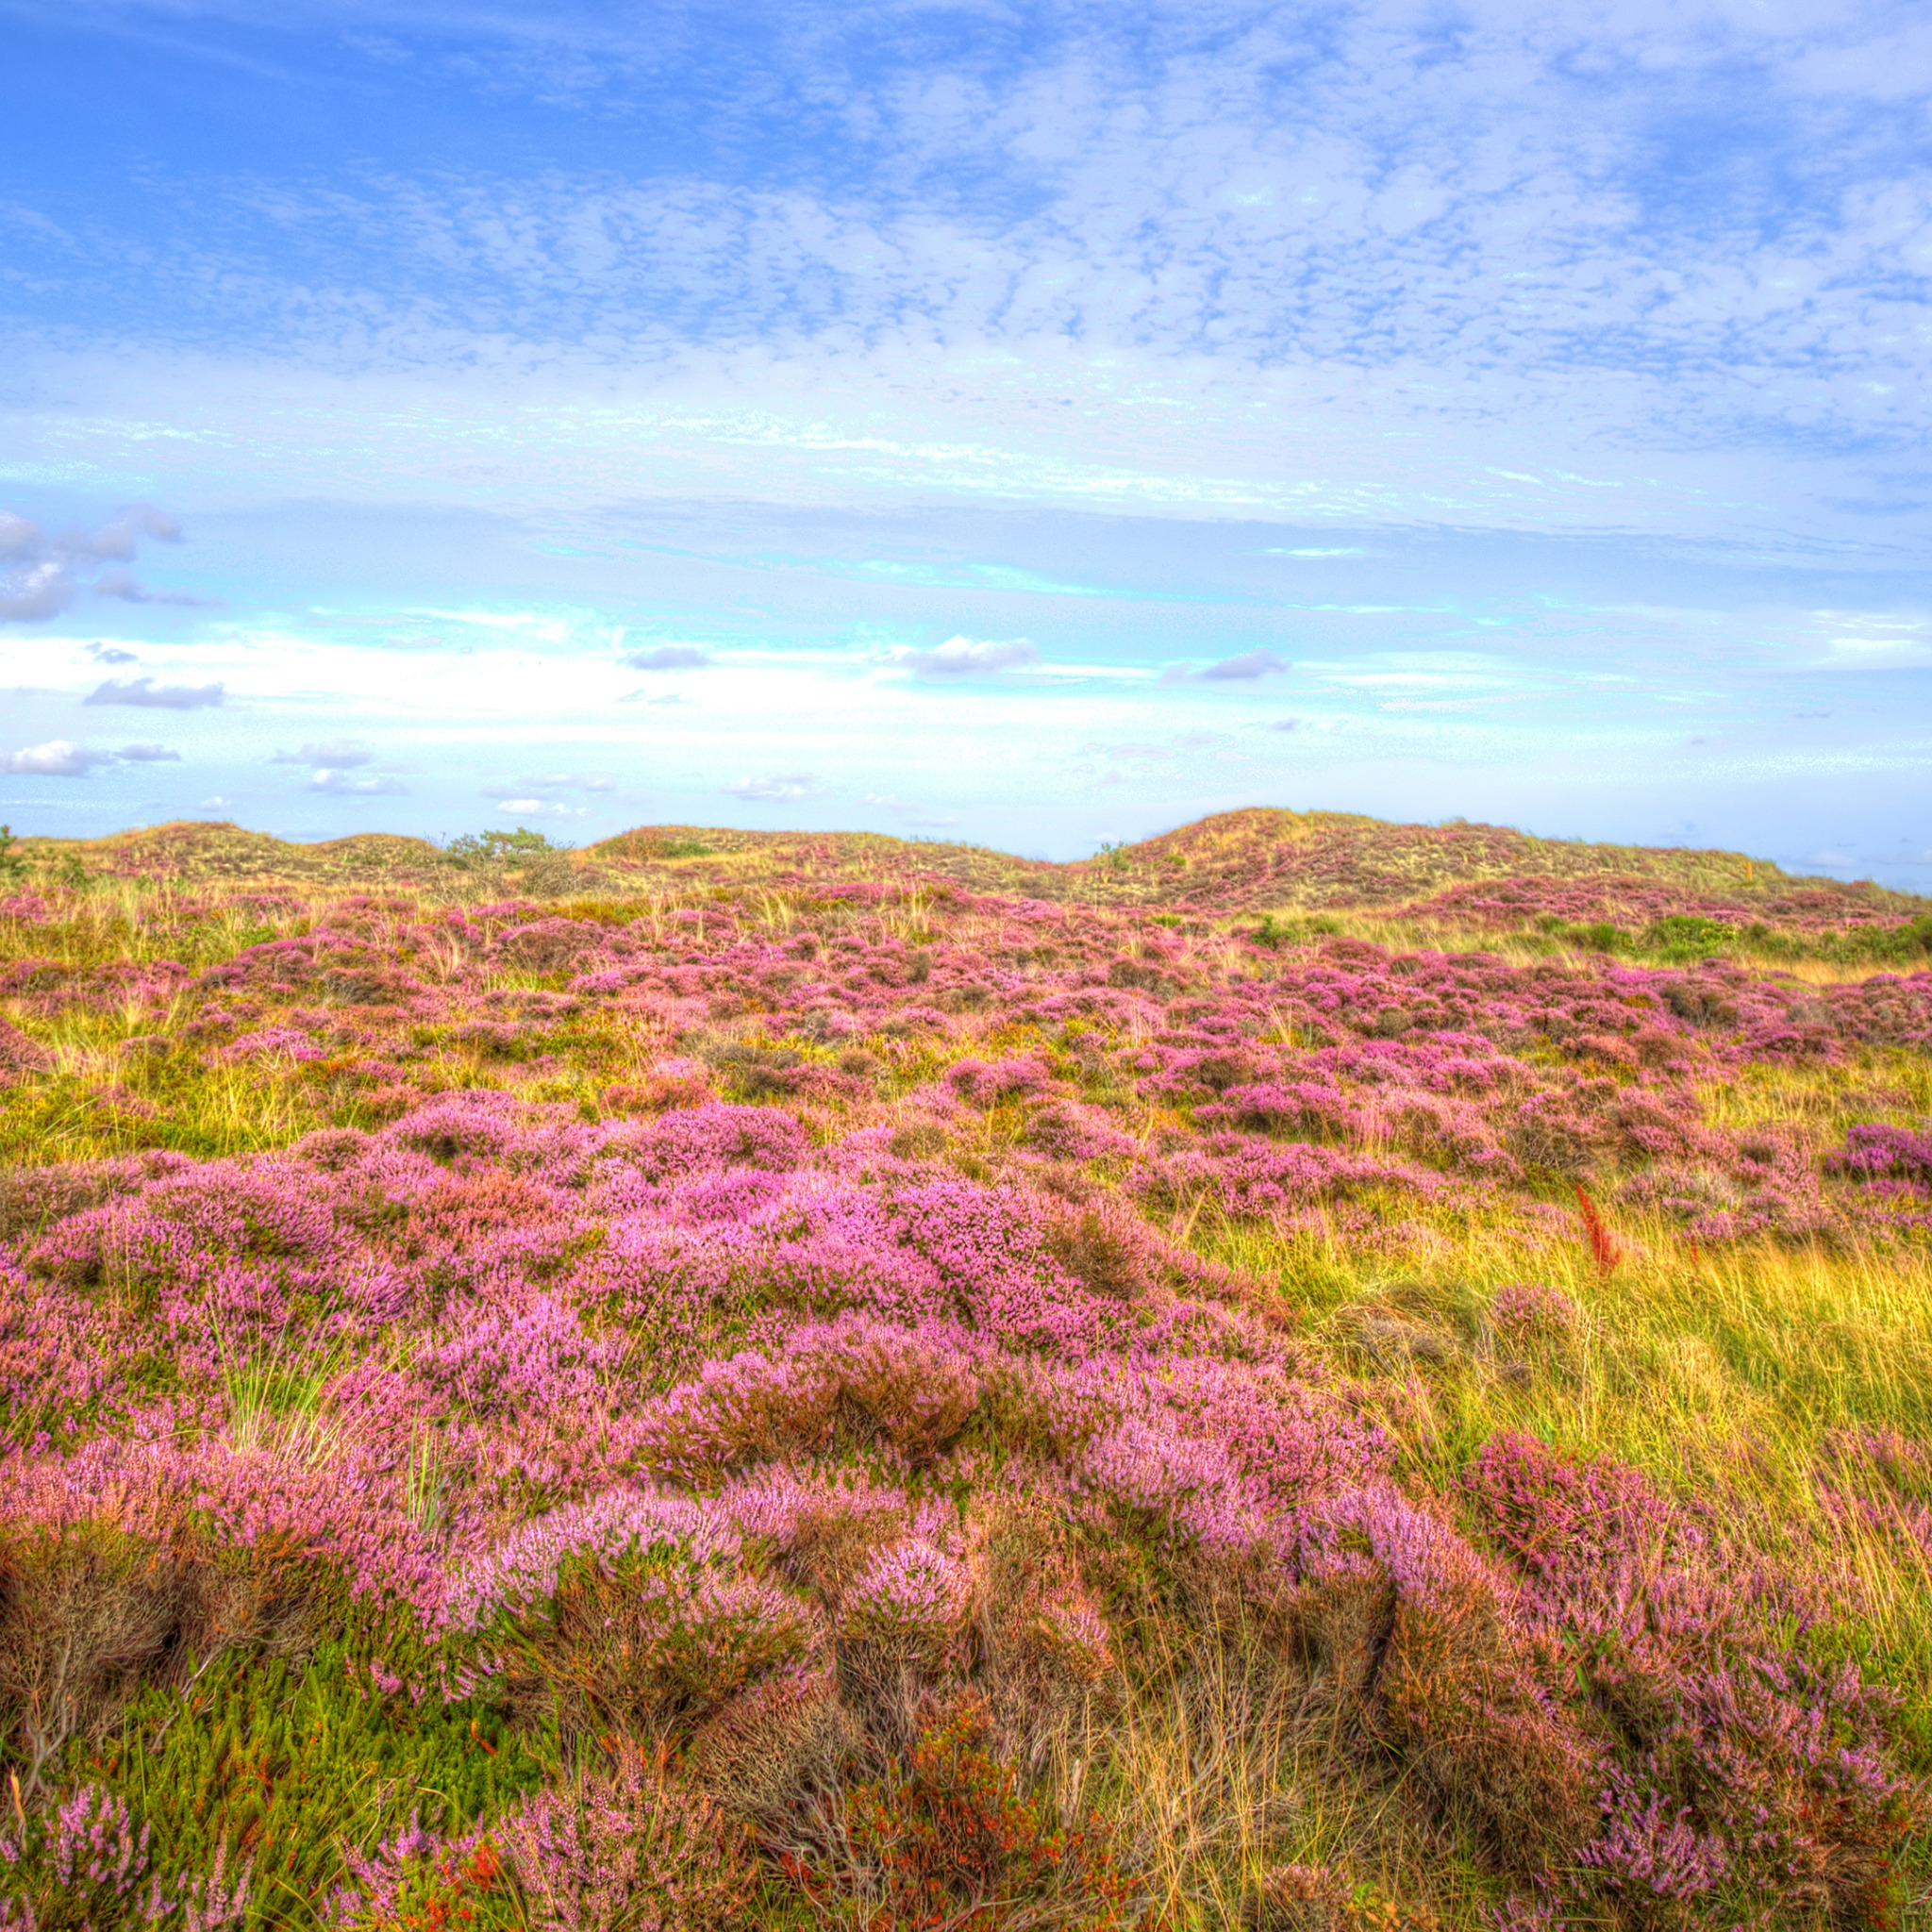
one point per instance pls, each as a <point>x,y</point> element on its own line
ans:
<point>1508,272</point>
<point>144,693</point>
<point>41,572</point>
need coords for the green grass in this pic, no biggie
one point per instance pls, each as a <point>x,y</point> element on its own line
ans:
<point>283,1763</point>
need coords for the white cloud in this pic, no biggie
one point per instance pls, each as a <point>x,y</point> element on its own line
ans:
<point>963,656</point>
<point>1245,668</point>
<point>1879,652</point>
<point>1248,666</point>
<point>668,657</point>
<point>122,583</point>
<point>52,570</point>
<point>40,590</point>
<point>778,790</point>
<point>346,785</point>
<point>542,809</point>
<point>57,759</point>
<point>338,754</point>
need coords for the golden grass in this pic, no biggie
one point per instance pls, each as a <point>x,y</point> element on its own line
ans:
<point>1210,1774</point>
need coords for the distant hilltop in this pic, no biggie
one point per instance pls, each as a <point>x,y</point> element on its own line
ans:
<point>1257,861</point>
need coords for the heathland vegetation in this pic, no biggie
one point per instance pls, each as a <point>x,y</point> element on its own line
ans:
<point>1307,1373</point>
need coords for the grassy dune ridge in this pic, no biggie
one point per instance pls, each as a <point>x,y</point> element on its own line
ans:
<point>1305,1373</point>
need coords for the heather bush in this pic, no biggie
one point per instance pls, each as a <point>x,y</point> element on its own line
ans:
<point>86,1865</point>
<point>1745,1763</point>
<point>910,1601</point>
<point>1411,1634</point>
<point>628,1849</point>
<point>627,1616</point>
<point>422,1877</point>
<point>774,1755</point>
<point>1049,1667</point>
<point>88,1614</point>
<point>945,1835</point>
<point>1532,1322</point>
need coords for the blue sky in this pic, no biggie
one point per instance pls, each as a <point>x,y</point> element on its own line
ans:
<point>1029,423</point>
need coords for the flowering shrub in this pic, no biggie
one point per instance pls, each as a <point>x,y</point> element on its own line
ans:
<point>949,1831</point>
<point>1529,1316</point>
<point>421,1877</point>
<point>522,1571</point>
<point>89,1864</point>
<point>626,1848</point>
<point>912,1599</point>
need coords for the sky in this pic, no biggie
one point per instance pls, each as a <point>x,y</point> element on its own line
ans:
<point>1036,424</point>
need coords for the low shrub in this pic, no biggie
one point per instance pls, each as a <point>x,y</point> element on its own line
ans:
<point>946,1836</point>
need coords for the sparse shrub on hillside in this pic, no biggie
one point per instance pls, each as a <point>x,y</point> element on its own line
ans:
<point>472,849</point>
